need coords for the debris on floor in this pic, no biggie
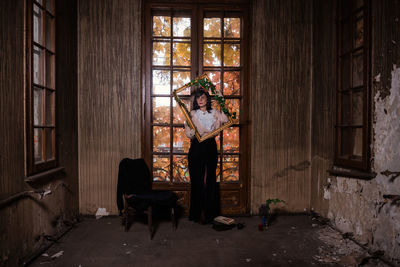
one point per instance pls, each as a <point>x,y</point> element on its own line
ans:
<point>101,212</point>
<point>342,251</point>
<point>52,258</point>
<point>58,254</point>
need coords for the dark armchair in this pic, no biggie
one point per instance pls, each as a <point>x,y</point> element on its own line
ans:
<point>135,195</point>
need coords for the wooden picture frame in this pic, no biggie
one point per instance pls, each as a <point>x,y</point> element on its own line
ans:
<point>204,82</point>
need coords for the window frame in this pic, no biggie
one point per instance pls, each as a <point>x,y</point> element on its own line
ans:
<point>196,67</point>
<point>364,164</point>
<point>46,165</point>
<point>234,196</point>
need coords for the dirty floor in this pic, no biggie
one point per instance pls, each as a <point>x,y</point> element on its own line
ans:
<point>290,241</point>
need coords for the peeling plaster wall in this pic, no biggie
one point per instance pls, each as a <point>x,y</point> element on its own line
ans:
<point>387,128</point>
<point>358,206</point>
<point>354,205</point>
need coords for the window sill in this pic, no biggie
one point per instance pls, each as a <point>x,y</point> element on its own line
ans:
<point>351,173</point>
<point>45,176</point>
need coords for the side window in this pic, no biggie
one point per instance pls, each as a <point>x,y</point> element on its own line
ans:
<point>41,86</point>
<point>353,91</point>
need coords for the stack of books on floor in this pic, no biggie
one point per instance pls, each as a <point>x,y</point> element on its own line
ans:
<point>222,223</point>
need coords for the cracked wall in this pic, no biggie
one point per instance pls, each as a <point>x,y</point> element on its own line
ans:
<point>364,208</point>
<point>359,206</point>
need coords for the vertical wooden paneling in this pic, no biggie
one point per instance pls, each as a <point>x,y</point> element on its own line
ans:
<point>24,222</point>
<point>385,46</point>
<point>12,127</point>
<point>67,97</point>
<point>280,102</point>
<point>324,100</point>
<point>109,62</point>
<point>12,95</point>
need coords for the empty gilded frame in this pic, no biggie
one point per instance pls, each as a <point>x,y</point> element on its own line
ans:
<point>204,82</point>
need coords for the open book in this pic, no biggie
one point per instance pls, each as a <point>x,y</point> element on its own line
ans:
<point>224,220</point>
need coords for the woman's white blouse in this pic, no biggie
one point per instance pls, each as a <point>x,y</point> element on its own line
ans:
<point>206,119</point>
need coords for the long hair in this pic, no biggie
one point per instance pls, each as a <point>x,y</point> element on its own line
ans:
<point>199,92</point>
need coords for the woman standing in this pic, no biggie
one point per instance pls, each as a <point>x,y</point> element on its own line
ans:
<point>203,158</point>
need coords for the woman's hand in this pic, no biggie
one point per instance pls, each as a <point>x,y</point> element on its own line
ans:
<point>190,133</point>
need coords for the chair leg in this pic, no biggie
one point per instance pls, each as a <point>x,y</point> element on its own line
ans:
<point>125,214</point>
<point>150,221</point>
<point>173,218</point>
<point>126,220</point>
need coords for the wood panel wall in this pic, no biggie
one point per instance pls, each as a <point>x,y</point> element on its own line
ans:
<point>109,60</point>
<point>385,49</point>
<point>25,221</point>
<point>324,100</point>
<point>12,218</point>
<point>281,102</point>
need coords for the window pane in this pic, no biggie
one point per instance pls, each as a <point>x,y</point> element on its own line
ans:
<point>345,103</point>
<point>358,70</point>
<point>358,108</point>
<point>215,77</point>
<point>181,27</point>
<point>180,169</point>
<point>161,26</point>
<point>161,53</point>
<point>345,72</point>
<point>230,168</point>
<point>50,110</point>
<point>233,106</point>
<point>232,27</point>
<point>218,170</point>
<point>359,33</point>
<point>50,33</point>
<point>212,55</point>
<point>231,140</point>
<point>357,149</point>
<point>181,54</point>
<point>180,141</point>
<point>212,27</point>
<point>161,110</point>
<point>161,141</point>
<point>161,168</point>
<point>218,141</point>
<point>38,106</point>
<point>37,144</point>
<point>351,143</point>
<point>38,65</point>
<point>49,144</point>
<point>50,75</point>
<point>37,24</point>
<point>180,78</point>
<point>161,82</point>
<point>50,6</point>
<point>347,38</point>
<point>345,138</point>
<point>232,83</point>
<point>177,112</point>
<point>232,55</point>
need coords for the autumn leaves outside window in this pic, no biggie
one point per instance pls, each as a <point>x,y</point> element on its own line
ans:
<point>218,47</point>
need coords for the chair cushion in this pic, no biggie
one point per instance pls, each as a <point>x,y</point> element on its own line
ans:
<point>154,197</point>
